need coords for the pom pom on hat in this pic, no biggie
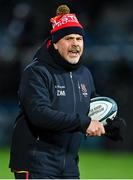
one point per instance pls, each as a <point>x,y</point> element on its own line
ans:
<point>62,9</point>
<point>65,23</point>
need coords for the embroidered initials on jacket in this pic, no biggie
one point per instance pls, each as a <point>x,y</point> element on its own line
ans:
<point>61,93</point>
<point>60,90</point>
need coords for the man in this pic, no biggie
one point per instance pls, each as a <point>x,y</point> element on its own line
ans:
<point>54,96</point>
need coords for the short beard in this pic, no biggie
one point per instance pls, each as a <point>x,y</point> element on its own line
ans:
<point>73,61</point>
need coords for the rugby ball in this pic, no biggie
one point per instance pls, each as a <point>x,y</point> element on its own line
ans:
<point>102,108</point>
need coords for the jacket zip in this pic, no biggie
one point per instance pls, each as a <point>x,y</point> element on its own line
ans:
<point>74,110</point>
<point>74,96</point>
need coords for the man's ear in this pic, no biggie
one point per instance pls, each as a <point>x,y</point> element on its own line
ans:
<point>55,46</point>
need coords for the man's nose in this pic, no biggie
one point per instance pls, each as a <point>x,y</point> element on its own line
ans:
<point>74,42</point>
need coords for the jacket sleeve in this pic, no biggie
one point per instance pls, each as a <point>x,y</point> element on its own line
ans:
<point>35,99</point>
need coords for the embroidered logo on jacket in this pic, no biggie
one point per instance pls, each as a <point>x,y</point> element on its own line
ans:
<point>84,90</point>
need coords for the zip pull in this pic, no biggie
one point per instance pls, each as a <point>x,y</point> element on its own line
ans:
<point>38,138</point>
<point>70,74</point>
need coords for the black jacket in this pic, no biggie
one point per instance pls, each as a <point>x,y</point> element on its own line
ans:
<point>54,103</point>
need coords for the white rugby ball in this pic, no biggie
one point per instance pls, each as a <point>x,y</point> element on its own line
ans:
<point>102,108</point>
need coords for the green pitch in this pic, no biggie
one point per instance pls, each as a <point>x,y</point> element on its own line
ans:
<point>106,165</point>
<point>93,165</point>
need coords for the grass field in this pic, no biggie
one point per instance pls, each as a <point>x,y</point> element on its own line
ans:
<point>93,165</point>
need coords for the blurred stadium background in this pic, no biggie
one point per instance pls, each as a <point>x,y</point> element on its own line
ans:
<point>24,24</point>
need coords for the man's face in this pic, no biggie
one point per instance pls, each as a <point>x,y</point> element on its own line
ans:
<point>70,47</point>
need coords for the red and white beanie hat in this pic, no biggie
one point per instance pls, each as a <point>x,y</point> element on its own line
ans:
<point>64,24</point>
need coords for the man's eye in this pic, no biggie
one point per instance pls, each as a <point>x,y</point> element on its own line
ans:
<point>68,38</point>
<point>79,39</point>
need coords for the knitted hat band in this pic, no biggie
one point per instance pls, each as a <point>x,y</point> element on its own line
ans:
<point>66,31</point>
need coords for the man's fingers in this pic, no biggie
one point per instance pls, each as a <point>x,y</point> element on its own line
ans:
<point>95,129</point>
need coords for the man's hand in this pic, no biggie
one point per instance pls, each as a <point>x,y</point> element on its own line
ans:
<point>95,128</point>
